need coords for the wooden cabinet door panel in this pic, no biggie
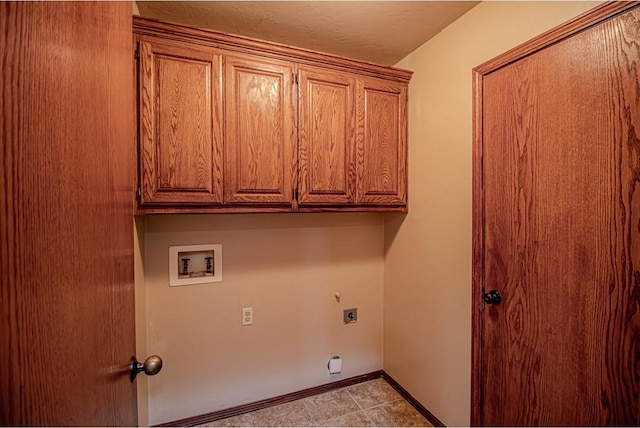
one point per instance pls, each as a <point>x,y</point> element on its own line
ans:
<point>327,137</point>
<point>259,132</point>
<point>180,124</point>
<point>382,143</point>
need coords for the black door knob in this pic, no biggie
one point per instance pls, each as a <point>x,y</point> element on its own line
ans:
<point>492,297</point>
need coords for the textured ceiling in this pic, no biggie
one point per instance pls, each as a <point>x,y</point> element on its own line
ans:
<point>376,31</point>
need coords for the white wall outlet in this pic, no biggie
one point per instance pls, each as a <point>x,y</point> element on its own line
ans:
<point>247,316</point>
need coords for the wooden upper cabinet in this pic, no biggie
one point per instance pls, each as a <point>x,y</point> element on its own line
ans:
<point>260,165</point>
<point>231,124</point>
<point>180,90</point>
<point>382,143</point>
<point>326,137</point>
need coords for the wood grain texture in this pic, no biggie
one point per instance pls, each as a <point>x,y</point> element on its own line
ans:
<point>326,151</point>
<point>260,132</point>
<point>242,45</point>
<point>477,266</point>
<point>66,200</point>
<point>581,22</point>
<point>349,151</point>
<point>381,143</point>
<point>257,208</point>
<point>559,159</point>
<point>180,90</point>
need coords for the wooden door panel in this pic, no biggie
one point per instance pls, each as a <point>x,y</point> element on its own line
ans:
<point>382,143</point>
<point>66,235</point>
<point>259,132</point>
<point>180,124</point>
<point>561,172</point>
<point>327,137</point>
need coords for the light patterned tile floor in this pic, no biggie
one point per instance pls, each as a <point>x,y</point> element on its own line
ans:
<point>369,404</point>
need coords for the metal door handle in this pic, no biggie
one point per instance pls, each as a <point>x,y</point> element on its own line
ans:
<point>151,366</point>
<point>492,297</point>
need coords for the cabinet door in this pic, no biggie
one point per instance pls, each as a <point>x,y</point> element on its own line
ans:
<point>382,143</point>
<point>260,164</point>
<point>180,124</point>
<point>327,137</point>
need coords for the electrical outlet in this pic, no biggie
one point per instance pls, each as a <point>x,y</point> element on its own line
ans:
<point>350,315</point>
<point>247,316</point>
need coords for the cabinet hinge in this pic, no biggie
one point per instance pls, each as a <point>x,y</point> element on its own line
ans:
<point>294,79</point>
<point>139,193</point>
<point>136,53</point>
<point>294,194</point>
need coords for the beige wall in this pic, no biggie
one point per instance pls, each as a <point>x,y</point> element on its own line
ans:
<point>141,318</point>
<point>427,295</point>
<point>288,268</point>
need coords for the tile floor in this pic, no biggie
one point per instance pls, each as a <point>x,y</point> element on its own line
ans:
<point>369,404</point>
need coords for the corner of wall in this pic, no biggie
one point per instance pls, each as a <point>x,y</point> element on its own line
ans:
<point>427,264</point>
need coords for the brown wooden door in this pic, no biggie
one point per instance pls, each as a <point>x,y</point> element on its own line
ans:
<point>327,137</point>
<point>180,122</point>
<point>260,151</point>
<point>557,227</point>
<point>66,204</point>
<point>382,143</point>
